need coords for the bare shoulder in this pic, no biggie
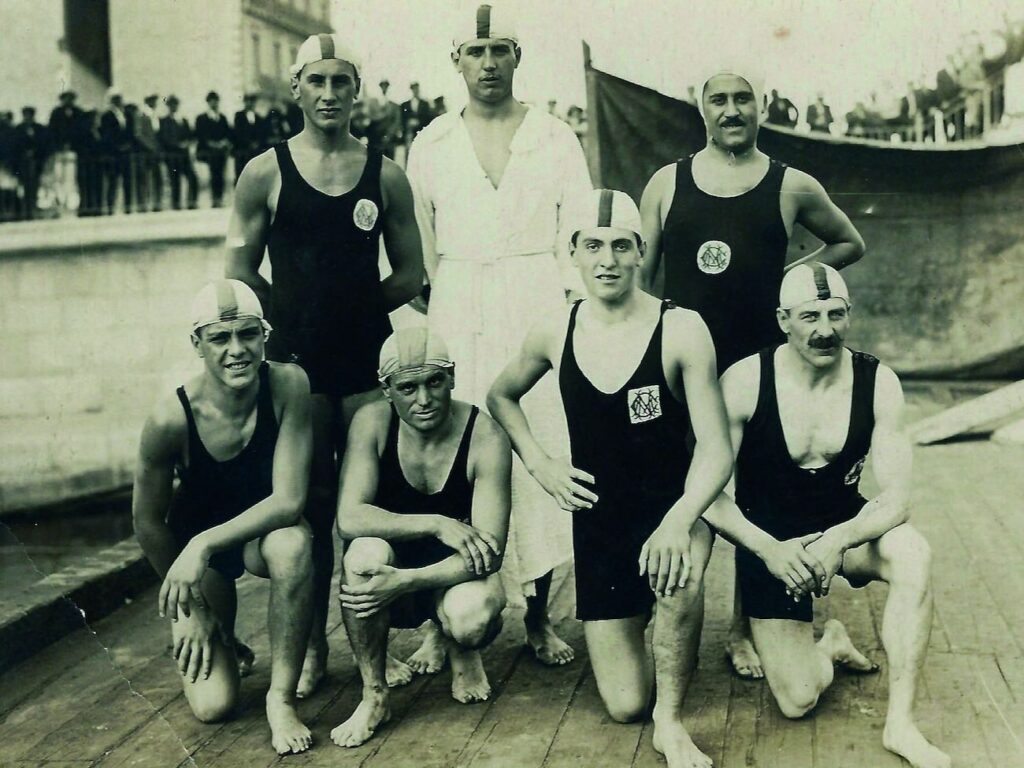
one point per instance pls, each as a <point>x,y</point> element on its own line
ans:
<point>165,430</point>
<point>547,334</point>
<point>257,179</point>
<point>288,380</point>
<point>740,385</point>
<point>686,330</point>
<point>391,173</point>
<point>800,182</point>
<point>888,392</point>
<point>488,435</point>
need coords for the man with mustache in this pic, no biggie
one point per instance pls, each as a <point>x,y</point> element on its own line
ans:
<point>803,417</point>
<point>718,223</point>
<point>491,184</point>
<point>318,205</point>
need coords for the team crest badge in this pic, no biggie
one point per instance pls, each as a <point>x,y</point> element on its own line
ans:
<point>853,476</point>
<point>644,404</point>
<point>365,214</point>
<point>713,257</point>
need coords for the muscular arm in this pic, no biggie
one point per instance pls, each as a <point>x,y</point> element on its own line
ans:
<point>712,462</point>
<point>891,460</point>
<point>357,514</point>
<point>151,495</point>
<point>250,225</point>
<point>401,238</point>
<point>651,217</point>
<point>816,212</point>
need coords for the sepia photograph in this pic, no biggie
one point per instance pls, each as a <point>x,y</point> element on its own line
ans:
<point>525,384</point>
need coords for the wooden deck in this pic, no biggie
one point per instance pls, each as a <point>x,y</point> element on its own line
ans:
<point>111,698</point>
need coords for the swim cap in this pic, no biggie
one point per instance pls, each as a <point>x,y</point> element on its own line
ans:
<point>224,300</point>
<point>748,71</point>
<point>812,281</point>
<point>488,23</point>
<point>606,208</point>
<point>411,349</point>
<point>320,47</point>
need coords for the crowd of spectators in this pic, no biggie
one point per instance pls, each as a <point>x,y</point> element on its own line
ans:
<point>142,157</point>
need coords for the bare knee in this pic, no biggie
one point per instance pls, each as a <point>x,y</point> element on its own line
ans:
<point>627,707</point>
<point>795,701</point>
<point>214,704</point>
<point>288,552</point>
<point>908,559</point>
<point>365,553</point>
<point>687,602</point>
<point>473,620</point>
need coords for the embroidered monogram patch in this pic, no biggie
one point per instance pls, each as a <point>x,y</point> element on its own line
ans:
<point>644,404</point>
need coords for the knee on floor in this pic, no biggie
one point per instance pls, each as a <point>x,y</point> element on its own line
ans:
<point>627,709</point>
<point>213,706</point>
<point>474,624</point>
<point>795,701</point>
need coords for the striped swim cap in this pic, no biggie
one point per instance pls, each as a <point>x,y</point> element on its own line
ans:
<point>225,300</point>
<point>411,349</point>
<point>606,208</point>
<point>488,23</point>
<point>325,46</point>
<point>812,281</point>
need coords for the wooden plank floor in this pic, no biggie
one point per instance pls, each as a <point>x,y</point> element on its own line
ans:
<point>110,698</point>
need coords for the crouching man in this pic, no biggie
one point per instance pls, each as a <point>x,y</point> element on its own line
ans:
<point>803,417</point>
<point>425,506</point>
<point>238,436</point>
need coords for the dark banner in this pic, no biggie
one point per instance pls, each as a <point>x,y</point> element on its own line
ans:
<point>938,293</point>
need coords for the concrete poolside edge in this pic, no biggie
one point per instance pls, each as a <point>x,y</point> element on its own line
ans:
<point>44,612</point>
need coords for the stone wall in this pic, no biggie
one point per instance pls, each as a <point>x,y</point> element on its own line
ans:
<point>93,327</point>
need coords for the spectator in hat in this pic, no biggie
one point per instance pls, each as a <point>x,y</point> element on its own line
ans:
<point>416,114</point>
<point>250,133</point>
<point>149,178</point>
<point>213,145</point>
<point>64,127</point>
<point>116,142</point>
<point>30,152</point>
<point>175,140</point>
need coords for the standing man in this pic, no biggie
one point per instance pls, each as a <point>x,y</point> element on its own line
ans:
<point>385,123</point>
<point>116,139</point>
<point>819,115</point>
<point>416,115</point>
<point>719,222</point>
<point>213,145</point>
<point>238,436</point>
<point>803,417</point>
<point>635,375</point>
<point>65,128</point>
<point>149,179</point>
<point>31,149</point>
<point>250,134</point>
<point>318,204</point>
<point>176,139</point>
<point>425,505</point>
<point>491,184</point>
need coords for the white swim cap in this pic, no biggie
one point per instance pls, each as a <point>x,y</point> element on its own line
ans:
<point>606,208</point>
<point>412,349</point>
<point>488,23</point>
<point>812,281</point>
<point>749,71</point>
<point>320,47</point>
<point>224,300</point>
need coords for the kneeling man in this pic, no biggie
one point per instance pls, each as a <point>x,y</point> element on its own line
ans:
<point>803,417</point>
<point>239,437</point>
<point>635,373</point>
<point>425,506</point>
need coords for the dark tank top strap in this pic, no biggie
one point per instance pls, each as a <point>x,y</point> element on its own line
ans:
<point>684,176</point>
<point>766,395</point>
<point>194,444</point>
<point>865,372</point>
<point>286,164</point>
<point>391,441</point>
<point>265,416</point>
<point>460,469</point>
<point>568,349</point>
<point>371,173</point>
<point>776,173</point>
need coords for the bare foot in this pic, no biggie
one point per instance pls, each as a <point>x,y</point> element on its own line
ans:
<point>246,658</point>
<point>397,672</point>
<point>672,740</point>
<point>836,642</point>
<point>906,741</point>
<point>287,733</point>
<point>548,647</point>
<point>429,658</point>
<point>739,650</point>
<point>469,681</point>
<point>373,711</point>
<point>314,669</point>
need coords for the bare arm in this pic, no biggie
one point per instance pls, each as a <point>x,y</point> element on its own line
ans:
<point>249,226</point>
<point>651,217</point>
<point>557,477</point>
<point>151,495</point>
<point>401,238</point>
<point>821,217</point>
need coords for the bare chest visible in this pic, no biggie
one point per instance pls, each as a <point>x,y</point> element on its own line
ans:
<point>492,142</point>
<point>609,357</point>
<point>815,423</point>
<point>427,469</point>
<point>722,179</point>
<point>333,173</point>
<point>223,435</point>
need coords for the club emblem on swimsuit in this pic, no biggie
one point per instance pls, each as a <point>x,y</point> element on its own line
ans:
<point>365,214</point>
<point>853,476</point>
<point>713,257</point>
<point>644,404</point>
